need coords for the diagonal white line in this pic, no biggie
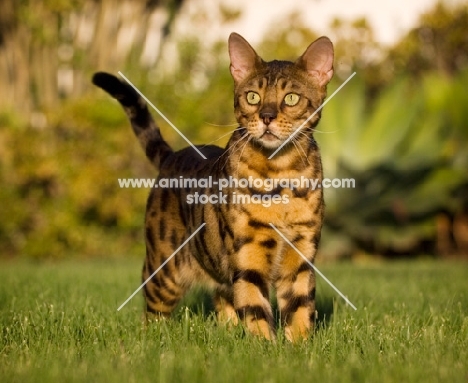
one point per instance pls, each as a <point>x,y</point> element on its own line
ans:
<point>162,115</point>
<point>313,266</point>
<point>311,116</point>
<point>162,265</point>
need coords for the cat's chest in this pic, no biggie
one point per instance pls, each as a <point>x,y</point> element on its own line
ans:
<point>299,160</point>
<point>283,190</point>
<point>282,207</point>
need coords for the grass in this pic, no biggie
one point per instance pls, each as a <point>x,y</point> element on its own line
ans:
<point>59,322</point>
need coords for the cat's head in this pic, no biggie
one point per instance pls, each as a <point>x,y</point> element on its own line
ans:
<point>273,99</point>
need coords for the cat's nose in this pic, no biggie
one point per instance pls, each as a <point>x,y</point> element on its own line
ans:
<point>267,117</point>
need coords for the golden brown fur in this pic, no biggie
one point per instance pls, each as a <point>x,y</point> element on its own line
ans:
<point>237,252</point>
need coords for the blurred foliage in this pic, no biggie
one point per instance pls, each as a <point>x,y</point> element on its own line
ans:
<point>439,43</point>
<point>399,128</point>
<point>60,193</point>
<point>408,157</point>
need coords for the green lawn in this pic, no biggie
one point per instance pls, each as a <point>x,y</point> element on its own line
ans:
<point>59,323</point>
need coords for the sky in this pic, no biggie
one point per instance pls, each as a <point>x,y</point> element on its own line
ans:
<point>390,19</point>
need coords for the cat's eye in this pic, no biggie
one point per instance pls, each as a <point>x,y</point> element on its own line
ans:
<point>291,99</point>
<point>253,98</point>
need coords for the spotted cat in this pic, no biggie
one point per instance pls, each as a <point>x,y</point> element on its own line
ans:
<point>238,253</point>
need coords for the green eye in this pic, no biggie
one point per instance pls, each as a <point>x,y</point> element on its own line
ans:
<point>291,99</point>
<point>253,98</point>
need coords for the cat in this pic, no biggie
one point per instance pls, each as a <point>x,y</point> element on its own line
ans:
<point>238,253</point>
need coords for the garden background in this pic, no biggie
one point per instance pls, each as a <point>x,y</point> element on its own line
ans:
<point>399,128</point>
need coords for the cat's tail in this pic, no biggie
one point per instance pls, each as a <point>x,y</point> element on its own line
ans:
<point>143,125</point>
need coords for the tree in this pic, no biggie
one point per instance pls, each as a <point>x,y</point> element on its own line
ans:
<point>48,49</point>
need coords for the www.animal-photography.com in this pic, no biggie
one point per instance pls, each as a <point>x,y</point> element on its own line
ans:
<point>234,191</point>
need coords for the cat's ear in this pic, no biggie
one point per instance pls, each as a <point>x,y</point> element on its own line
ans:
<point>318,60</point>
<point>243,57</point>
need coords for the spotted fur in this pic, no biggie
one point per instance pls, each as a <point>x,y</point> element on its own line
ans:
<point>237,252</point>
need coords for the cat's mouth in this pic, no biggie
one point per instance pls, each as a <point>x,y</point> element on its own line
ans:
<point>269,140</point>
<point>269,136</point>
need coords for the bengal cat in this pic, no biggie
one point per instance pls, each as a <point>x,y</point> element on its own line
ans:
<point>237,252</point>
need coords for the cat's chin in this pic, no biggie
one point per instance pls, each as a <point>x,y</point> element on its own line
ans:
<point>269,141</point>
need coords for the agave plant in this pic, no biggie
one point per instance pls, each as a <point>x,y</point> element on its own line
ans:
<point>406,155</point>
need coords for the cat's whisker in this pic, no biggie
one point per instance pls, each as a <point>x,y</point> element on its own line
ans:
<point>241,147</point>
<point>296,145</point>
<point>224,135</point>
<point>314,130</point>
<point>238,145</point>
<point>300,134</point>
<point>222,125</point>
<point>240,157</point>
<point>306,133</point>
<point>297,150</point>
<point>324,132</point>
<point>231,149</point>
<point>232,146</point>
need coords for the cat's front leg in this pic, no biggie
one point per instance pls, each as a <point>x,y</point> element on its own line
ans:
<point>295,288</point>
<point>251,273</point>
<point>224,304</point>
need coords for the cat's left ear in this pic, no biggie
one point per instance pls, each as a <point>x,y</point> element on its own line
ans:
<point>318,60</point>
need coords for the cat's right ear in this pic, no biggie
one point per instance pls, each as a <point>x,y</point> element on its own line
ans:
<point>244,59</point>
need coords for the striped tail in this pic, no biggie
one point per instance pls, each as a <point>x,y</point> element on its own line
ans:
<point>143,125</point>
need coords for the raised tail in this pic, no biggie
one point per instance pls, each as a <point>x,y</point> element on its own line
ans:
<point>143,125</point>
